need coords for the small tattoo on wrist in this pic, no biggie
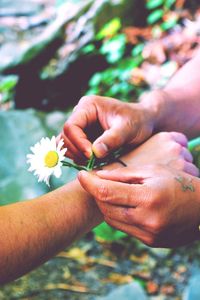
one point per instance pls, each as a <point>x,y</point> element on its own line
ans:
<point>186,184</point>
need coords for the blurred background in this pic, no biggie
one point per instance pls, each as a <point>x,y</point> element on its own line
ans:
<point>52,52</point>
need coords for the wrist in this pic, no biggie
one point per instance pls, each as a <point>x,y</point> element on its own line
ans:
<point>157,104</point>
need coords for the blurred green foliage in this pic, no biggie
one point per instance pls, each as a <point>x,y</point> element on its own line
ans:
<point>7,88</point>
<point>107,233</point>
<point>121,56</point>
<point>114,82</point>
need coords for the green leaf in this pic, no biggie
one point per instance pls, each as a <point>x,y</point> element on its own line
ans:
<point>95,80</point>
<point>151,4</point>
<point>109,29</point>
<point>114,48</point>
<point>8,83</point>
<point>137,49</point>
<point>93,91</point>
<point>107,233</point>
<point>168,24</point>
<point>88,49</point>
<point>155,16</point>
<point>169,3</point>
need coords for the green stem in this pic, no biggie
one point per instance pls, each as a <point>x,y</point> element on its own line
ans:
<point>193,144</point>
<point>75,166</point>
<point>91,162</point>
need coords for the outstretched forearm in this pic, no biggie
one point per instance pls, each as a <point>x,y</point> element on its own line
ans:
<point>32,232</point>
<point>177,106</point>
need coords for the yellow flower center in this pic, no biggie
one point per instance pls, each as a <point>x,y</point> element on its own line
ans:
<point>51,159</point>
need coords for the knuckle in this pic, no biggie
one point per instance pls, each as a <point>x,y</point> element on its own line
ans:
<point>128,216</point>
<point>195,171</point>
<point>156,226</point>
<point>179,164</point>
<point>176,148</point>
<point>153,200</point>
<point>115,138</point>
<point>87,99</point>
<point>163,136</point>
<point>67,128</point>
<point>102,192</point>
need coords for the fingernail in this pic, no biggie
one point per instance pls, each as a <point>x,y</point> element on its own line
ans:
<point>100,149</point>
<point>88,152</point>
<point>82,173</point>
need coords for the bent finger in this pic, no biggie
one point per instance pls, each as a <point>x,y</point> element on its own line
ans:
<point>134,231</point>
<point>78,138</point>
<point>71,148</point>
<point>191,169</point>
<point>127,175</point>
<point>186,154</point>
<point>110,140</point>
<point>127,215</point>
<point>113,192</point>
<point>180,138</point>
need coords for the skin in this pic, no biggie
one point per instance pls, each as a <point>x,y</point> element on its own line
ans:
<point>158,204</point>
<point>31,232</point>
<point>154,203</point>
<point>175,108</point>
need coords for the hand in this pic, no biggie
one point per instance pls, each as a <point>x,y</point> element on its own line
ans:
<point>120,122</point>
<point>166,148</point>
<point>156,204</point>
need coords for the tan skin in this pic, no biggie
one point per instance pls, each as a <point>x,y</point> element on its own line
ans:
<point>175,108</point>
<point>161,206</point>
<point>33,231</point>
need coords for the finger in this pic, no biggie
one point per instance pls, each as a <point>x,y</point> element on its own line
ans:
<point>186,154</point>
<point>191,169</point>
<point>126,175</point>
<point>113,192</point>
<point>180,138</point>
<point>78,121</point>
<point>127,215</point>
<point>71,148</point>
<point>111,139</point>
<point>77,136</point>
<point>132,230</point>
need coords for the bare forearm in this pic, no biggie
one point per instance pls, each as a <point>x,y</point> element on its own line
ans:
<point>177,106</point>
<point>31,232</point>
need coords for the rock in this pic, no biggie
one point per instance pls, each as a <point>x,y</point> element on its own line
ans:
<point>131,291</point>
<point>27,50</point>
<point>192,291</point>
<point>160,252</point>
<point>18,8</point>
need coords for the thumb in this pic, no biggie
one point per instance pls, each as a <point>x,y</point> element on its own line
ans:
<point>111,139</point>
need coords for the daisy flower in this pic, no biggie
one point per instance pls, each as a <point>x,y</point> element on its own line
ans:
<point>46,159</point>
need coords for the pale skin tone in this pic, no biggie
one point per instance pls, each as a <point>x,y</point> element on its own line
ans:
<point>33,231</point>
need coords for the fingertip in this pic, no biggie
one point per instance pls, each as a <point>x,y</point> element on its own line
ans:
<point>100,149</point>
<point>82,174</point>
<point>88,152</point>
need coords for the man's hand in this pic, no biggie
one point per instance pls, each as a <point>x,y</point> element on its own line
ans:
<point>121,123</point>
<point>156,204</point>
